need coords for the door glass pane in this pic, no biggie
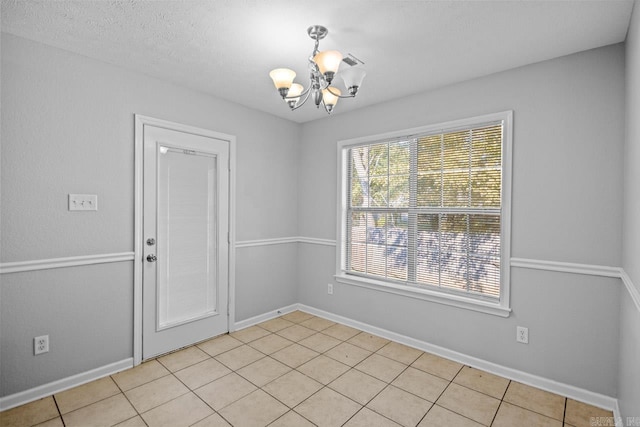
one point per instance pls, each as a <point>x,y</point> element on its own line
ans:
<point>187,229</point>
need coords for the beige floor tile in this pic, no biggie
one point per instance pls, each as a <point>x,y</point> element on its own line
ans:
<point>225,391</point>
<point>155,393</point>
<point>291,419</point>
<point>294,355</point>
<point>510,415</point>
<point>381,367</point>
<point>296,333</point>
<point>292,388</point>
<point>239,357</point>
<point>180,412</point>
<point>270,343</point>
<point>469,403</point>
<point>352,374</point>
<point>249,334</point>
<point>368,418</point>
<point>107,412</point>
<point>358,386</point>
<point>323,369</point>
<point>581,414</point>
<point>202,373</point>
<point>436,365</point>
<point>328,408</point>
<point>297,316</point>
<point>55,422</point>
<point>263,371</point>
<point>276,324</point>
<point>136,421</point>
<point>341,332</point>
<point>183,358</point>
<point>439,417</point>
<point>219,345</point>
<point>32,413</point>
<point>255,409</point>
<point>348,354</point>
<point>214,420</point>
<point>317,323</point>
<point>369,341</point>
<point>482,381</point>
<point>86,394</point>
<point>141,374</point>
<point>400,352</point>
<point>536,400</point>
<point>319,342</point>
<point>421,384</point>
<point>404,408</point>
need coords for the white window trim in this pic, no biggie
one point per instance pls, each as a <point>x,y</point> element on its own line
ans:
<point>499,308</point>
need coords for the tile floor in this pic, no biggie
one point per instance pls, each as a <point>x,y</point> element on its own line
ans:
<point>301,370</point>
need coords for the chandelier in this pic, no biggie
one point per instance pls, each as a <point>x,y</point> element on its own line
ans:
<point>323,67</point>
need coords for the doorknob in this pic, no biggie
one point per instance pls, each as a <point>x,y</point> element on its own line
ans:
<point>151,258</point>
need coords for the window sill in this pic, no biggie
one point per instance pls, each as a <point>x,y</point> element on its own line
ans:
<point>425,294</point>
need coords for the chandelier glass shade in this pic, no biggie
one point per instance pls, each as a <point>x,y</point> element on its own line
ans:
<point>282,78</point>
<point>323,67</point>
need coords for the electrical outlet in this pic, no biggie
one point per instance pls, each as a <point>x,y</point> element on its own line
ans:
<point>330,288</point>
<point>522,334</point>
<point>41,344</point>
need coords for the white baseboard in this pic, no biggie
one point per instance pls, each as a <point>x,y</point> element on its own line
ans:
<point>567,390</point>
<point>264,317</point>
<point>617,416</point>
<point>54,387</point>
<point>586,396</point>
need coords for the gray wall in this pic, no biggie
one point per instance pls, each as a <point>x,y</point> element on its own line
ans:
<point>629,374</point>
<point>68,127</point>
<point>567,194</point>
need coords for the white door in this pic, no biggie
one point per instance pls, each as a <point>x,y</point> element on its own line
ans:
<point>185,239</point>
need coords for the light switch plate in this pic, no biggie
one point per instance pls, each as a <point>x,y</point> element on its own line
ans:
<point>83,202</point>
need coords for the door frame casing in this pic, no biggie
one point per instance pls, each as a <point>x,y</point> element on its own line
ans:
<point>140,122</point>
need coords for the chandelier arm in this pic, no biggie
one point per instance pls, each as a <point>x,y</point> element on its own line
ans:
<point>305,92</point>
<point>339,96</point>
<point>300,104</point>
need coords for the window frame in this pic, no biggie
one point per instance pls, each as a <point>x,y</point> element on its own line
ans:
<point>499,307</point>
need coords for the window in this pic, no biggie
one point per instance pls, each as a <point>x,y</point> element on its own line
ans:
<point>425,212</point>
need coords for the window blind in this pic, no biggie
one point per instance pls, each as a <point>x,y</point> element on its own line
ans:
<point>425,210</point>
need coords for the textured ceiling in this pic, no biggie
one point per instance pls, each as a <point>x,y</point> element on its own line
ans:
<point>227,47</point>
